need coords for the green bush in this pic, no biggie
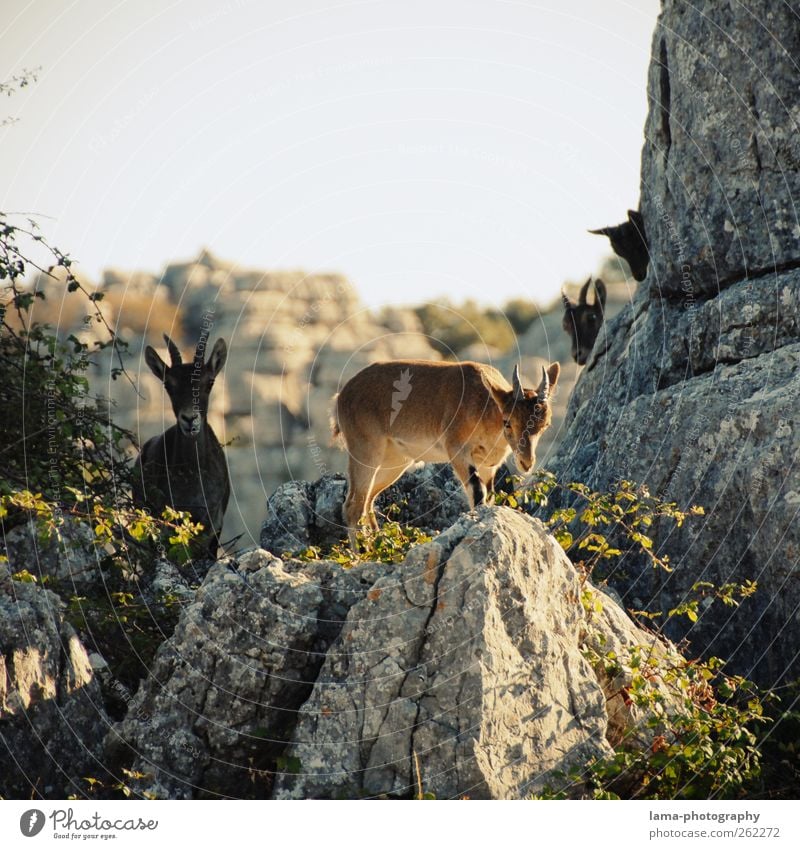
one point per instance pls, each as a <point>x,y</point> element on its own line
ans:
<point>708,746</point>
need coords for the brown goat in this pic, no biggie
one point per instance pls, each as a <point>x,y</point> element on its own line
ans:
<point>582,321</point>
<point>393,414</point>
<point>184,468</point>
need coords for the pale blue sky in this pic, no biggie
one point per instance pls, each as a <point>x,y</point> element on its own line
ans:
<point>445,147</point>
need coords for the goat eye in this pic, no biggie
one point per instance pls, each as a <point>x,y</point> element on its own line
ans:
<point>506,423</point>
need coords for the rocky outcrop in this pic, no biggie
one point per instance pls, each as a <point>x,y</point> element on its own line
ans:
<point>305,513</point>
<point>721,161</point>
<point>460,671</point>
<point>455,676</point>
<point>52,719</point>
<point>694,388</point>
<point>223,690</point>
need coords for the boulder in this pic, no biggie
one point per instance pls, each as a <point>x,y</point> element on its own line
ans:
<point>52,719</point>
<point>693,388</point>
<point>721,160</point>
<point>462,673</point>
<point>212,717</point>
<point>472,668</point>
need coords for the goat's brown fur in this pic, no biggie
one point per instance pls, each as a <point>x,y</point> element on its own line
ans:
<point>466,414</point>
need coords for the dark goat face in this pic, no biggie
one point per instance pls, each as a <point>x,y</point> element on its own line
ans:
<point>629,241</point>
<point>582,321</point>
<point>188,384</point>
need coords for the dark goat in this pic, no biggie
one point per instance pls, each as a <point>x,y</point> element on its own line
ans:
<point>184,468</point>
<point>582,321</point>
<point>629,241</point>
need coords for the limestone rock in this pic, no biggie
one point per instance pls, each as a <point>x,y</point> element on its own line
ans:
<point>721,162</point>
<point>52,718</point>
<point>71,555</point>
<point>462,668</point>
<point>460,673</point>
<point>224,689</point>
<point>693,389</point>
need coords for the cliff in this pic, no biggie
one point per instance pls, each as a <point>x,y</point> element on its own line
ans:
<point>694,388</point>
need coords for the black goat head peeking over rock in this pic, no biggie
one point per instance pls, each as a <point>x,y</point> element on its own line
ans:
<point>629,241</point>
<point>185,468</point>
<point>582,321</point>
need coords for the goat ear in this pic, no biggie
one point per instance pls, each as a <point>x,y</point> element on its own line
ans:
<point>600,289</point>
<point>566,301</point>
<point>218,356</point>
<point>553,372</point>
<point>157,365</point>
<point>585,290</point>
<point>501,397</point>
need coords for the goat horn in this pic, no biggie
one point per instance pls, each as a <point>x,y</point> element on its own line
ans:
<point>174,353</point>
<point>565,300</point>
<point>585,289</point>
<point>517,384</point>
<point>543,390</point>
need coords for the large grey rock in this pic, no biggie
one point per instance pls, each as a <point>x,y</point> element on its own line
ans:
<point>223,690</point>
<point>694,388</point>
<point>722,152</point>
<point>462,673</point>
<point>52,719</point>
<point>463,668</point>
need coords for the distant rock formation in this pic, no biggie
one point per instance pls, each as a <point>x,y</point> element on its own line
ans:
<point>695,388</point>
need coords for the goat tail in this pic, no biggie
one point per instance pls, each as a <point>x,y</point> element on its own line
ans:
<point>336,432</point>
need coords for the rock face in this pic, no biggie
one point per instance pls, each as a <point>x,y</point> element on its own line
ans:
<point>52,719</point>
<point>460,670</point>
<point>456,674</point>
<point>721,156</point>
<point>223,690</point>
<point>694,388</point>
